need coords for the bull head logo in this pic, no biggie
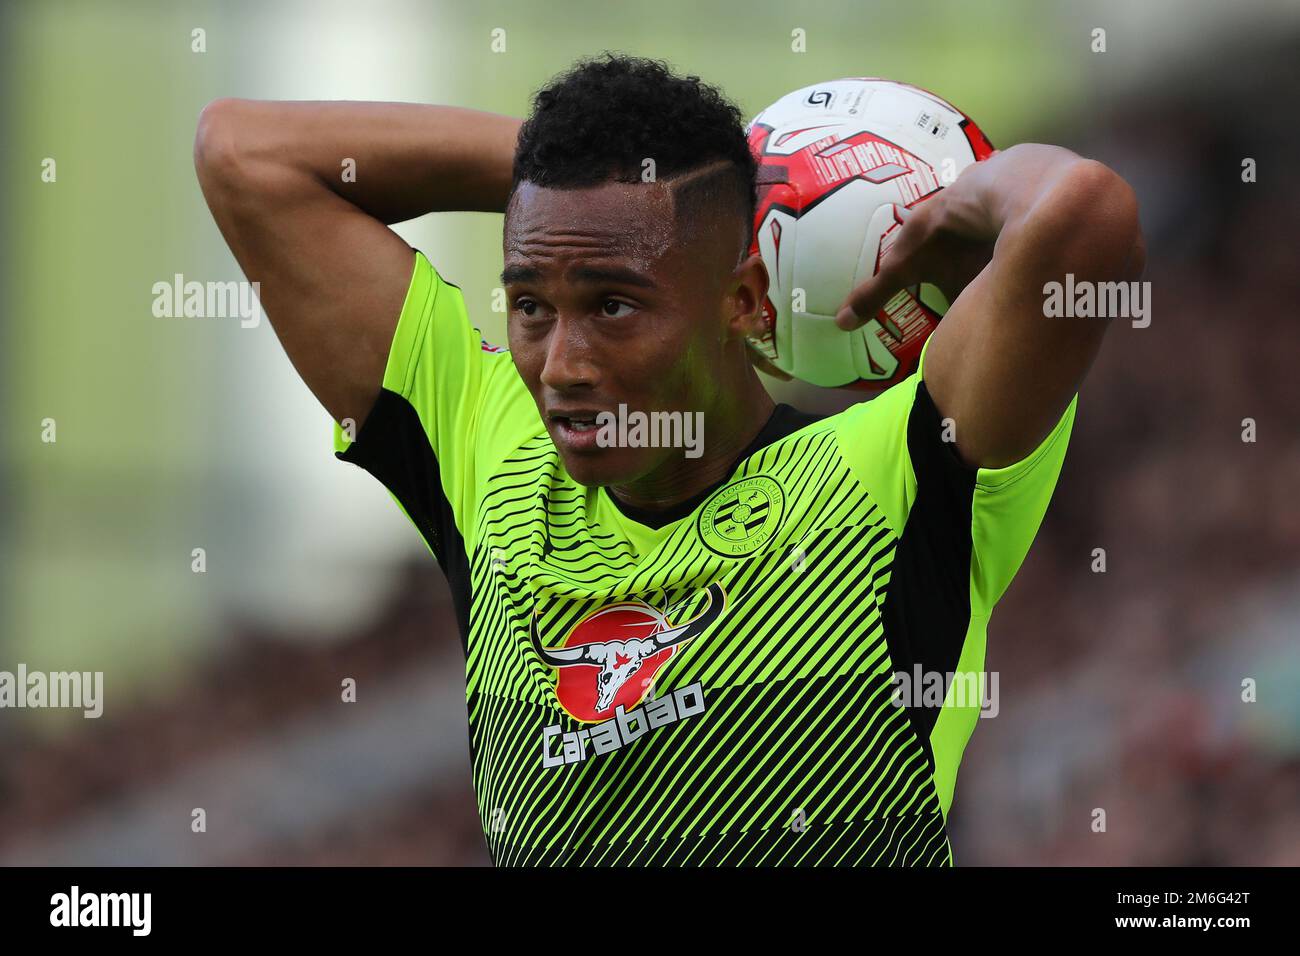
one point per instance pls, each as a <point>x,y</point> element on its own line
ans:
<point>619,659</point>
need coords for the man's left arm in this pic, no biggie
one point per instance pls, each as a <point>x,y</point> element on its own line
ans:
<point>1001,369</point>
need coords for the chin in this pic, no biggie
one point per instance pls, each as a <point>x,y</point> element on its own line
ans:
<point>611,466</point>
<point>590,471</point>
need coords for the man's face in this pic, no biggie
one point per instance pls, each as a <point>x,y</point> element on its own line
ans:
<point>610,304</point>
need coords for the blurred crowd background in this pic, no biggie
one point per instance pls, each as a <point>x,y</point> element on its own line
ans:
<point>1119,690</point>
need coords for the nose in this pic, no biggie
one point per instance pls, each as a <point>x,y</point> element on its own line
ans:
<point>569,361</point>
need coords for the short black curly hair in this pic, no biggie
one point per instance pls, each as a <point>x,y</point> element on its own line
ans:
<point>600,120</point>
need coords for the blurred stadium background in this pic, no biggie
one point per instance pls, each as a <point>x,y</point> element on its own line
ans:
<point>1119,690</point>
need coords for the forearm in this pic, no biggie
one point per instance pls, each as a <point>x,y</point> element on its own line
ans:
<point>1000,365</point>
<point>304,193</point>
<point>394,161</point>
<point>1051,210</point>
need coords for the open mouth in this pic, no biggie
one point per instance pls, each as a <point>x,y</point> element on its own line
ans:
<point>577,423</point>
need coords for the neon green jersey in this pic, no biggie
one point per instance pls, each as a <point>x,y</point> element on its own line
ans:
<point>713,685</point>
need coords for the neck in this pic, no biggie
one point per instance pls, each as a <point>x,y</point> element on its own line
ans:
<point>730,428</point>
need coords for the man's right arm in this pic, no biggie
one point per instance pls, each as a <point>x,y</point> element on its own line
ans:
<point>332,275</point>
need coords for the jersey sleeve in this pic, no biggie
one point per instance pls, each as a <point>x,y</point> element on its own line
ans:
<point>960,535</point>
<point>896,443</point>
<point>451,408</point>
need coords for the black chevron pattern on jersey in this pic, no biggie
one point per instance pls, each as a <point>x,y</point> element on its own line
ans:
<point>799,756</point>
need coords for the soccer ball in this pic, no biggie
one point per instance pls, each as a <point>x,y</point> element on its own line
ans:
<point>835,162</point>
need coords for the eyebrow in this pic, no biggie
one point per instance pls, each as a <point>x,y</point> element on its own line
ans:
<point>591,275</point>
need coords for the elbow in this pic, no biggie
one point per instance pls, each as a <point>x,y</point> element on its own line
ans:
<point>216,154</point>
<point>1097,210</point>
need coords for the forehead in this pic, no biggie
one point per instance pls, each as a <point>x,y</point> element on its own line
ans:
<point>624,220</point>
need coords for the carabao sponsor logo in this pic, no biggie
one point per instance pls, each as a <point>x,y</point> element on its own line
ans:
<point>625,727</point>
<point>610,658</point>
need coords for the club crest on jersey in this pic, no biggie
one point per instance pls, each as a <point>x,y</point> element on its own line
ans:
<point>741,517</point>
<point>610,658</point>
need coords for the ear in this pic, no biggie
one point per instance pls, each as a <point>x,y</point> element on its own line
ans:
<point>747,292</point>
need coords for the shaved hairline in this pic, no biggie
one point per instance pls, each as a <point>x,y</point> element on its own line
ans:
<point>700,197</point>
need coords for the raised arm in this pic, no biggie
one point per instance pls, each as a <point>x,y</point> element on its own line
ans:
<point>998,366</point>
<point>332,274</point>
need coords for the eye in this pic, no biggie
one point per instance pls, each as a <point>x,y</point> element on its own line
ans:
<point>526,306</point>
<point>609,308</point>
